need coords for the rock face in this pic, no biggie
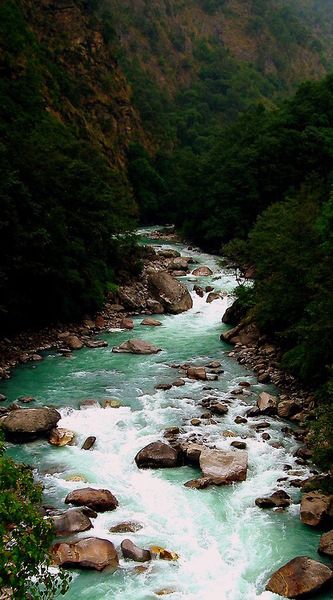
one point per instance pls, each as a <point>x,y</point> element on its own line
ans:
<point>71,521</point>
<point>136,347</point>
<point>99,500</point>
<point>278,499</point>
<point>326,544</point>
<point>202,272</point>
<point>316,508</point>
<point>223,467</point>
<point>25,424</point>
<point>88,553</point>
<point>299,577</point>
<point>61,437</point>
<point>133,552</point>
<point>267,404</point>
<point>173,295</point>
<point>157,455</point>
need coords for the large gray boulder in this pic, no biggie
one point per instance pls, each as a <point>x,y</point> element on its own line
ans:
<point>136,346</point>
<point>87,553</point>
<point>99,500</point>
<point>299,578</point>
<point>26,424</point>
<point>157,455</point>
<point>224,467</point>
<point>173,295</point>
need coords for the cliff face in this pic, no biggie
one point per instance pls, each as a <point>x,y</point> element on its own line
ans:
<point>83,85</point>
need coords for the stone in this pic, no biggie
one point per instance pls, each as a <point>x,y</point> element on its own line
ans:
<point>213,296</point>
<point>196,373</point>
<point>192,454</point>
<point>157,455</point>
<point>61,437</point>
<point>279,499</point>
<point>199,291</point>
<point>126,527</point>
<point>238,445</point>
<point>73,342</point>
<point>287,408</point>
<point>178,382</point>
<point>173,295</point>
<point>88,553</point>
<point>180,263</point>
<point>133,552</point>
<point>126,323</point>
<point>219,408</point>
<point>198,484</point>
<point>71,521</point>
<point>233,314</point>
<point>165,591</point>
<point>155,307</point>
<point>89,404</point>
<point>227,433</point>
<point>99,500</point>
<point>163,553</point>
<point>223,467</point>
<point>299,577</point>
<point>168,253</point>
<point>88,443</point>
<point>26,424</point>
<point>163,386</point>
<point>150,322</point>
<point>245,334</point>
<point>26,399</point>
<point>195,422</point>
<point>214,364</point>
<point>238,420</point>
<point>265,436</point>
<point>96,344</point>
<point>316,508</point>
<point>326,544</point>
<point>136,346</point>
<point>267,404</point>
<point>202,272</point>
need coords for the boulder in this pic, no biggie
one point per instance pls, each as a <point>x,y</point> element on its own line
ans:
<point>316,508</point>
<point>219,408</point>
<point>71,521</point>
<point>238,445</point>
<point>267,404</point>
<point>112,403</point>
<point>157,455</point>
<point>240,420</point>
<point>244,334</point>
<point>87,553</point>
<point>300,577</point>
<point>199,291</point>
<point>287,408</point>
<point>126,527</point>
<point>279,499</point>
<point>163,386</point>
<point>150,322</point>
<point>136,346</point>
<point>61,437</point>
<point>25,424</point>
<point>179,263</point>
<point>96,344</point>
<point>99,500</point>
<point>133,552</point>
<point>234,314</point>
<point>168,253</point>
<point>178,382</point>
<point>196,373</point>
<point>127,323</point>
<point>26,399</point>
<point>163,553</point>
<point>223,467</point>
<point>198,484</point>
<point>88,443</point>
<point>89,404</point>
<point>73,342</point>
<point>173,295</point>
<point>202,272</point>
<point>213,296</point>
<point>155,307</point>
<point>326,544</point>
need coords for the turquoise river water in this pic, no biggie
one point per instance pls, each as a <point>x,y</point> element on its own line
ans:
<point>227,546</point>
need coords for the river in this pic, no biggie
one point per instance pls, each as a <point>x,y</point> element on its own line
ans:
<point>227,546</point>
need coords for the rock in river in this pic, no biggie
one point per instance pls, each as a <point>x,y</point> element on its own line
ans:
<point>223,467</point>
<point>26,424</point>
<point>326,544</point>
<point>267,404</point>
<point>173,295</point>
<point>99,500</point>
<point>316,508</point>
<point>157,455</point>
<point>87,553</point>
<point>133,552</point>
<point>202,272</point>
<point>136,346</point>
<point>61,437</point>
<point>300,577</point>
<point>71,521</point>
<point>279,499</point>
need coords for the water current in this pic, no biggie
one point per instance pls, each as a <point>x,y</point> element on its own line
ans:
<point>227,546</point>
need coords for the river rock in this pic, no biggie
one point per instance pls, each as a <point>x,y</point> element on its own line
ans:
<point>88,443</point>
<point>279,499</point>
<point>326,544</point>
<point>199,291</point>
<point>223,467</point>
<point>133,552</point>
<point>163,386</point>
<point>234,314</point>
<point>73,342</point>
<point>180,263</point>
<point>178,382</point>
<point>25,424</point>
<point>198,484</point>
<point>196,373</point>
<point>99,500</point>
<point>85,404</point>
<point>267,404</point>
<point>72,521</point>
<point>245,334</point>
<point>202,272</point>
<point>219,408</point>
<point>96,344</point>
<point>238,445</point>
<point>126,527</point>
<point>240,420</point>
<point>61,437</point>
<point>157,455</point>
<point>150,322</point>
<point>136,346</point>
<point>155,307</point>
<point>213,296</point>
<point>168,253</point>
<point>299,577</point>
<point>112,403</point>
<point>26,399</point>
<point>88,553</point>
<point>127,323</point>
<point>287,408</point>
<point>173,295</point>
<point>316,508</point>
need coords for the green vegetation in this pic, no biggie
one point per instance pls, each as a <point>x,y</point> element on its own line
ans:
<point>25,536</point>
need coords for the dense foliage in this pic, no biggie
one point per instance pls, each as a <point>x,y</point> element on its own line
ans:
<point>62,206</point>
<point>25,537</point>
